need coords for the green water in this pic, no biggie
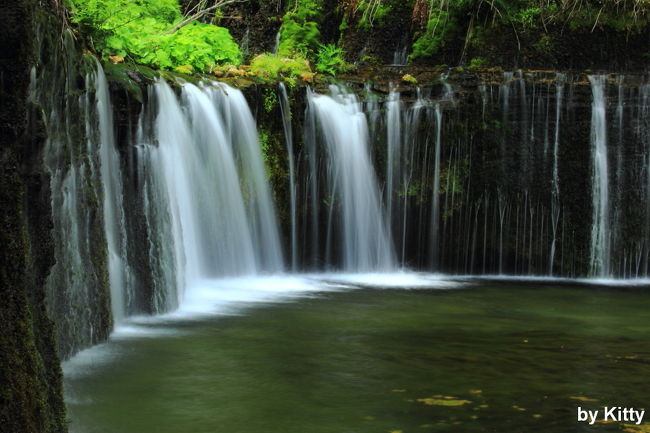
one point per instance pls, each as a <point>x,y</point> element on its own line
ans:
<point>358,361</point>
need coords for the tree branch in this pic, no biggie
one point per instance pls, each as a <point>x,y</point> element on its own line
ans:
<point>201,13</point>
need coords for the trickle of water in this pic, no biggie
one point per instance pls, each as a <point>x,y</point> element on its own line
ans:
<point>435,201</point>
<point>600,233</point>
<point>555,193</point>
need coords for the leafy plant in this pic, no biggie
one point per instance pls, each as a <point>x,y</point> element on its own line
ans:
<point>270,100</point>
<point>330,60</point>
<point>477,63</point>
<point>440,29</point>
<point>408,78</point>
<point>140,31</point>
<point>299,33</point>
<point>270,66</point>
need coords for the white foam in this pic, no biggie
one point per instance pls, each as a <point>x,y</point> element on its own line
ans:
<point>227,296</point>
<point>88,360</point>
<point>394,280</point>
<point>224,297</point>
<point>613,282</point>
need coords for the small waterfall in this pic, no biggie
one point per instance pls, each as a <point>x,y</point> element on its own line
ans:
<point>276,46</point>
<point>242,135</point>
<point>400,56</point>
<point>600,234</point>
<point>555,192</point>
<point>504,97</point>
<point>119,272</point>
<point>288,135</point>
<point>208,167</point>
<point>393,147</point>
<point>366,242</point>
<point>78,297</point>
<point>435,194</point>
<point>311,186</point>
<point>645,137</point>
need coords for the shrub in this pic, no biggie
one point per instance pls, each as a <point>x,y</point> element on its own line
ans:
<point>270,66</point>
<point>140,31</point>
<point>477,63</point>
<point>299,33</point>
<point>330,60</point>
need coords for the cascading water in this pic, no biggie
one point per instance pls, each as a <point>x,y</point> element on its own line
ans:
<point>242,135</point>
<point>435,194</point>
<point>222,221</point>
<point>600,232</point>
<point>400,56</point>
<point>366,242</point>
<point>393,148</point>
<point>555,205</point>
<point>119,273</point>
<point>494,188</point>
<point>288,134</point>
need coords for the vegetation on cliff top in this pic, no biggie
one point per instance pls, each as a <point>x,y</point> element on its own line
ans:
<point>319,35</point>
<point>478,23</point>
<point>154,33</point>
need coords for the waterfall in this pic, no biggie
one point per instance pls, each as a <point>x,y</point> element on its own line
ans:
<point>555,196</point>
<point>435,200</point>
<point>208,167</point>
<point>400,56</point>
<point>242,134</point>
<point>78,286</point>
<point>600,234</point>
<point>502,187</point>
<point>119,272</point>
<point>393,147</point>
<point>288,134</point>
<point>366,242</point>
<point>276,46</point>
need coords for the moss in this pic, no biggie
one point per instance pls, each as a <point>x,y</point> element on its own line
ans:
<point>266,66</point>
<point>30,377</point>
<point>408,78</point>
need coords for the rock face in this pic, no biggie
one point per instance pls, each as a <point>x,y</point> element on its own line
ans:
<point>30,376</point>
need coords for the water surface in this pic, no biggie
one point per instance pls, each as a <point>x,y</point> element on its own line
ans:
<point>507,356</point>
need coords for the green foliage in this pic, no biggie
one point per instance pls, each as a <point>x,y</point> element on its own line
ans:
<point>270,100</point>
<point>441,28</point>
<point>140,30</point>
<point>477,63</point>
<point>527,18</point>
<point>298,38</point>
<point>270,66</point>
<point>544,45</point>
<point>330,60</point>
<point>299,33</point>
<point>408,78</point>
<point>271,147</point>
<point>372,11</point>
<point>451,20</point>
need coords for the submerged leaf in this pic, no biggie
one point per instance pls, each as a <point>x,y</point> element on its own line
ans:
<point>442,402</point>
<point>580,398</point>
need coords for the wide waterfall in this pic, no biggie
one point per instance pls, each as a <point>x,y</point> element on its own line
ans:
<point>536,174</point>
